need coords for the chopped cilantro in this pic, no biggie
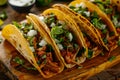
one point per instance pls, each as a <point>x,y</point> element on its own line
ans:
<point>118,42</point>
<point>108,11</point>
<point>105,40</point>
<point>112,33</point>
<point>94,15</point>
<point>90,54</point>
<point>82,50</point>
<point>21,62</point>
<point>101,6</point>
<point>71,7</point>
<point>49,48</point>
<point>44,56</point>
<point>50,19</point>
<point>18,60</point>
<point>76,46</point>
<point>111,58</point>
<point>115,20</point>
<point>38,62</point>
<point>16,24</point>
<point>102,54</point>
<point>1,39</point>
<point>3,15</point>
<point>104,31</point>
<point>56,31</point>
<point>30,68</point>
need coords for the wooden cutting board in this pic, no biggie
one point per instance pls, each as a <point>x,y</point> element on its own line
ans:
<point>89,68</point>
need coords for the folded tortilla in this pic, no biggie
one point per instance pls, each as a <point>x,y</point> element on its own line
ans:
<point>107,33</point>
<point>35,45</point>
<point>90,33</point>
<point>111,9</point>
<point>63,31</point>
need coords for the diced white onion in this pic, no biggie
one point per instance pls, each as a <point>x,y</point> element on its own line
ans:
<point>23,27</point>
<point>70,36</point>
<point>61,22</point>
<point>32,48</point>
<point>60,46</point>
<point>79,12</point>
<point>118,23</point>
<point>32,33</point>
<point>41,18</point>
<point>87,13</point>
<point>103,26</point>
<point>82,4</point>
<point>91,0</point>
<point>52,24</point>
<point>60,26</point>
<point>43,43</point>
<point>57,41</point>
<point>115,21</point>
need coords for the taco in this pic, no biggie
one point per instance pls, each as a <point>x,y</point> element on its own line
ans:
<point>110,7</point>
<point>35,45</point>
<point>92,40</point>
<point>62,29</point>
<point>107,33</point>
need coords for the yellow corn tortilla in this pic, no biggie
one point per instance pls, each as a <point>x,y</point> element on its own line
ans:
<point>15,37</point>
<point>72,26</point>
<point>83,24</point>
<point>91,7</point>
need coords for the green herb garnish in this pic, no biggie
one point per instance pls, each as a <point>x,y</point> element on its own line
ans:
<point>102,54</point>
<point>115,20</point>
<point>112,58</point>
<point>16,24</point>
<point>108,11</point>
<point>76,46</point>
<point>105,40</point>
<point>3,15</point>
<point>49,48</point>
<point>31,68</point>
<point>21,62</point>
<point>50,19</point>
<point>90,54</point>
<point>44,56</point>
<point>38,62</point>
<point>56,31</point>
<point>71,7</point>
<point>104,31</point>
<point>112,33</point>
<point>18,60</point>
<point>1,39</point>
<point>118,42</point>
<point>101,6</point>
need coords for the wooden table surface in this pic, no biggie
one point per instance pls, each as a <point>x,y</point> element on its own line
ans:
<point>109,74</point>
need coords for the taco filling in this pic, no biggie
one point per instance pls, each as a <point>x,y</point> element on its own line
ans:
<point>43,52</point>
<point>64,39</point>
<point>111,10</point>
<point>21,64</point>
<point>95,19</point>
<point>93,48</point>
